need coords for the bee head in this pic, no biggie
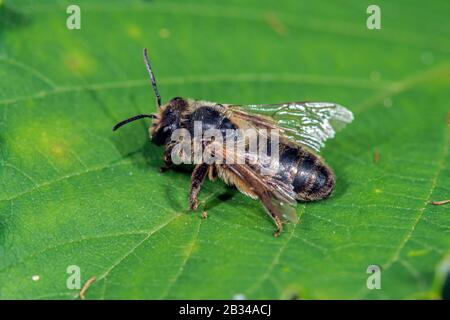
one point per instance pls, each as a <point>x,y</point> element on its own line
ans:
<point>168,120</point>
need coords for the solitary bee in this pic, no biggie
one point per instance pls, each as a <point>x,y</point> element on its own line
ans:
<point>303,128</point>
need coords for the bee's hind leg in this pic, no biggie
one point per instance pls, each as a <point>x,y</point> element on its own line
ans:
<point>198,177</point>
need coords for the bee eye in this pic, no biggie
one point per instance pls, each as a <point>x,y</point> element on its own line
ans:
<point>178,102</point>
<point>176,99</point>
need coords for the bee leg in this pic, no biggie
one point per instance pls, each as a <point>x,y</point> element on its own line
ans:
<point>198,177</point>
<point>279,225</point>
<point>167,161</point>
<point>212,173</point>
<point>165,167</point>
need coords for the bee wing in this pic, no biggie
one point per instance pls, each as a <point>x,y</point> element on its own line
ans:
<point>276,197</point>
<point>308,123</point>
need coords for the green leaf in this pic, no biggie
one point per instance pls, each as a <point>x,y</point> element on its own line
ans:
<point>72,192</point>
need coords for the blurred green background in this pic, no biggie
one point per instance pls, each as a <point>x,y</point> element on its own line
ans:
<point>74,193</point>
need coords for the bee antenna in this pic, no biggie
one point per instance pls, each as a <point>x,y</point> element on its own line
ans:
<point>152,77</point>
<point>140,116</point>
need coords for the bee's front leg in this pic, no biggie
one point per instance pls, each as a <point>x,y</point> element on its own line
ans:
<point>167,160</point>
<point>198,177</point>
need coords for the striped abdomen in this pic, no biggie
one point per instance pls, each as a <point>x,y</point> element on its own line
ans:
<point>306,172</point>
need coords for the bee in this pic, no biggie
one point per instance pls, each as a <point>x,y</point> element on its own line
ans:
<point>303,128</point>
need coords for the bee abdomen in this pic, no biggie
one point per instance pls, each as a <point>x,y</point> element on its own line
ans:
<point>314,180</point>
<point>309,176</point>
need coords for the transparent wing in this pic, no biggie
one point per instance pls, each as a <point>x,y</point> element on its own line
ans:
<point>308,123</point>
